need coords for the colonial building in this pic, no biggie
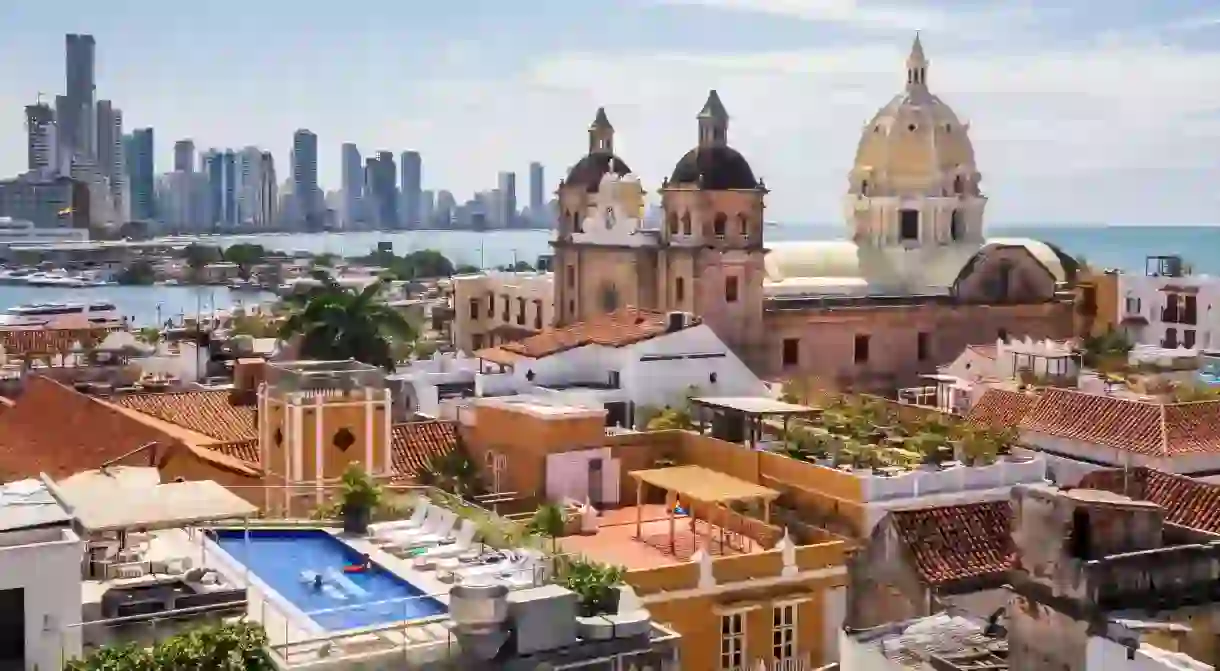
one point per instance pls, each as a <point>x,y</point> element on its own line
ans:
<point>914,283</point>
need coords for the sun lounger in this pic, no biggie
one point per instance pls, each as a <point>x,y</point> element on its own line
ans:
<point>435,533</point>
<point>419,518</point>
<point>461,544</point>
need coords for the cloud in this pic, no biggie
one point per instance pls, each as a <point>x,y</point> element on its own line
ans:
<point>1092,132</point>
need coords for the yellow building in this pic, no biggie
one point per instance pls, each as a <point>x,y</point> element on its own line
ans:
<point>1096,303</point>
<point>499,307</point>
<point>734,585</point>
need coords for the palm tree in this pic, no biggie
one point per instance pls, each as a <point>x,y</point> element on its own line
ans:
<point>335,323</point>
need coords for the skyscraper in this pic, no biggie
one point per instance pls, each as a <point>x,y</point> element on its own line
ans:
<point>77,120</point>
<point>352,185</point>
<point>305,178</point>
<point>412,177</point>
<point>40,139</point>
<point>507,201</point>
<point>427,207</point>
<point>223,188</point>
<point>184,156</point>
<point>140,170</point>
<point>537,191</point>
<point>387,191</point>
<point>111,161</point>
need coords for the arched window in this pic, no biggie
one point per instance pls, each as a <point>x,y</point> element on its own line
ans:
<point>959,185</point>
<point>864,187</point>
<point>577,224</point>
<point>686,223</point>
<point>957,229</point>
<point>1003,281</point>
<point>743,223</point>
<point>719,224</point>
<point>679,290</point>
<point>672,219</point>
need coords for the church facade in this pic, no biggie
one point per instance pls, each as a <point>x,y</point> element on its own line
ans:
<point>913,283</point>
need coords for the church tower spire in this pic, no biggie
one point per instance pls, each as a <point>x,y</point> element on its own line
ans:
<point>601,134</point>
<point>917,66</point>
<point>713,122</point>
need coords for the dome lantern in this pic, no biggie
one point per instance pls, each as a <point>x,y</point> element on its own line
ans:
<point>917,66</point>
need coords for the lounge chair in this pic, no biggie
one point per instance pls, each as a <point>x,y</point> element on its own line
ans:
<point>438,529</point>
<point>419,517</point>
<point>514,564</point>
<point>461,544</point>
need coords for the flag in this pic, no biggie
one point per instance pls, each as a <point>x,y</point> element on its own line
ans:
<point>65,212</point>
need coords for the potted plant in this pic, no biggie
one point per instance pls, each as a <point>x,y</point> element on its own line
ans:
<point>548,521</point>
<point>360,496</point>
<point>595,585</point>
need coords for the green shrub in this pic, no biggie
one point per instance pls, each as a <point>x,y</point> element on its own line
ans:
<point>237,646</point>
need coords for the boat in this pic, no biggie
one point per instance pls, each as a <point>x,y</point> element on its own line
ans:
<point>48,313</point>
<point>55,278</point>
<point>15,276</point>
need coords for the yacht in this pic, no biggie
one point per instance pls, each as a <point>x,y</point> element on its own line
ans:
<point>15,276</point>
<point>48,313</point>
<point>56,278</point>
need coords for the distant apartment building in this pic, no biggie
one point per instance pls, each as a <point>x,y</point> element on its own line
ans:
<point>75,107</point>
<point>55,202</point>
<point>412,179</point>
<point>257,191</point>
<point>140,173</point>
<point>386,191</point>
<point>506,212</point>
<point>111,159</point>
<point>305,178</point>
<point>427,208</point>
<point>446,205</point>
<point>352,186</point>
<point>220,166</point>
<point>1168,305</point>
<point>537,189</point>
<point>184,156</point>
<point>184,201</point>
<point>500,307</point>
<point>41,147</point>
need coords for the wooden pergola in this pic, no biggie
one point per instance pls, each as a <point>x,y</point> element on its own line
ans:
<point>697,484</point>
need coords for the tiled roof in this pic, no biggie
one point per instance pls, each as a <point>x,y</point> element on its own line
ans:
<point>20,341</point>
<point>210,413</point>
<point>1001,408</point>
<point>415,444</point>
<point>1127,424</point>
<point>1187,501</point>
<point>242,450</point>
<point>616,329</point>
<point>955,543</point>
<point>59,431</point>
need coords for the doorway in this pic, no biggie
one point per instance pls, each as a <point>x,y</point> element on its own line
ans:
<point>594,488</point>
<point>12,629</point>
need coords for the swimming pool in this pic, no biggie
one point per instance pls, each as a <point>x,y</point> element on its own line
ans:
<point>279,557</point>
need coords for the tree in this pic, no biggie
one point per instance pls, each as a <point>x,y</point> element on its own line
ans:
<point>246,256</point>
<point>548,521</point>
<point>1108,350</point>
<point>335,323</point>
<point>149,335</point>
<point>467,269</point>
<point>359,496</point>
<point>139,273</point>
<point>454,472</point>
<point>197,256</point>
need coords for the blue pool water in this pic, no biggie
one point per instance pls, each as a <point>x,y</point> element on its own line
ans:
<point>278,557</point>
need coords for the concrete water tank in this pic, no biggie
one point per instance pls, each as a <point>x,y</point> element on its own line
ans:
<point>479,613</point>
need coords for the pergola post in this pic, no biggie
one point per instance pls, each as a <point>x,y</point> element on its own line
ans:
<point>639,511</point>
<point>671,502</point>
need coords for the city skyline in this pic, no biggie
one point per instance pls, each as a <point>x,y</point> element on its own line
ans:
<point>1059,99</point>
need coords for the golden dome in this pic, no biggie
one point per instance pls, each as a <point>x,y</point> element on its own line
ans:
<point>915,145</point>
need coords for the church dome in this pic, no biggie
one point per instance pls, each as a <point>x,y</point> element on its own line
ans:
<point>589,171</point>
<point>713,164</point>
<point>915,144</point>
<point>717,168</point>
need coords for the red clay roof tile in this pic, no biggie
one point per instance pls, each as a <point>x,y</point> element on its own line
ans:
<point>1187,502</point>
<point>959,542</point>
<point>415,444</point>
<point>616,329</point>
<point>210,413</point>
<point>1001,408</point>
<point>19,341</point>
<point>242,450</point>
<point>1137,426</point>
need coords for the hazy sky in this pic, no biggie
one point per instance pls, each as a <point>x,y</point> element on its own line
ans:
<point>1081,110</point>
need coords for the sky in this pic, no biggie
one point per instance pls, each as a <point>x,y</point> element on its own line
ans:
<point>1081,111</point>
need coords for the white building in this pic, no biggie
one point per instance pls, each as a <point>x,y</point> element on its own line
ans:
<point>1170,307</point>
<point>40,578</point>
<point>620,362</point>
<point>23,231</point>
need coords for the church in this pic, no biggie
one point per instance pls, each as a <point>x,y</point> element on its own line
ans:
<point>914,281</point>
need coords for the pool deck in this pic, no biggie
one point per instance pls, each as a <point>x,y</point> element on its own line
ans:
<point>425,581</point>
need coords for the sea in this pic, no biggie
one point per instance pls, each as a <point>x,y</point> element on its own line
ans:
<point>1121,247</point>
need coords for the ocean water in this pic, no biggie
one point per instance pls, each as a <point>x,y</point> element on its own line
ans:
<point>1124,247</point>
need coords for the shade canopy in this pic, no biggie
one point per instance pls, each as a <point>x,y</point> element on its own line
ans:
<point>703,484</point>
<point>753,405</point>
<point>101,502</point>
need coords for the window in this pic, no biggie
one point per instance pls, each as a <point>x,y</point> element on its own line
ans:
<point>686,224</point>
<point>476,341</point>
<point>730,289</point>
<point>956,229</point>
<point>521,311</point>
<point>1134,305</point>
<point>864,187</point>
<point>958,185</point>
<point>921,347</point>
<point>743,225</point>
<point>912,127</point>
<point>1190,309</point>
<point>1188,338</point>
<point>783,632</point>
<point>792,351</point>
<point>680,289</point>
<point>861,353</point>
<point>732,641</point>
<point>908,225</point>
<point>505,309</point>
<point>1170,313</point>
<point>537,315</point>
<point>571,273</point>
<point>491,306</point>
<point>474,308</point>
<point>672,218</point>
<point>1171,338</point>
<point>572,307</point>
<point>577,224</point>
<point>719,224</point>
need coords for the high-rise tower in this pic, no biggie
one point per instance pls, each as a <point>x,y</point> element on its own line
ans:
<point>305,178</point>
<point>41,143</point>
<point>77,120</point>
<point>412,178</point>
